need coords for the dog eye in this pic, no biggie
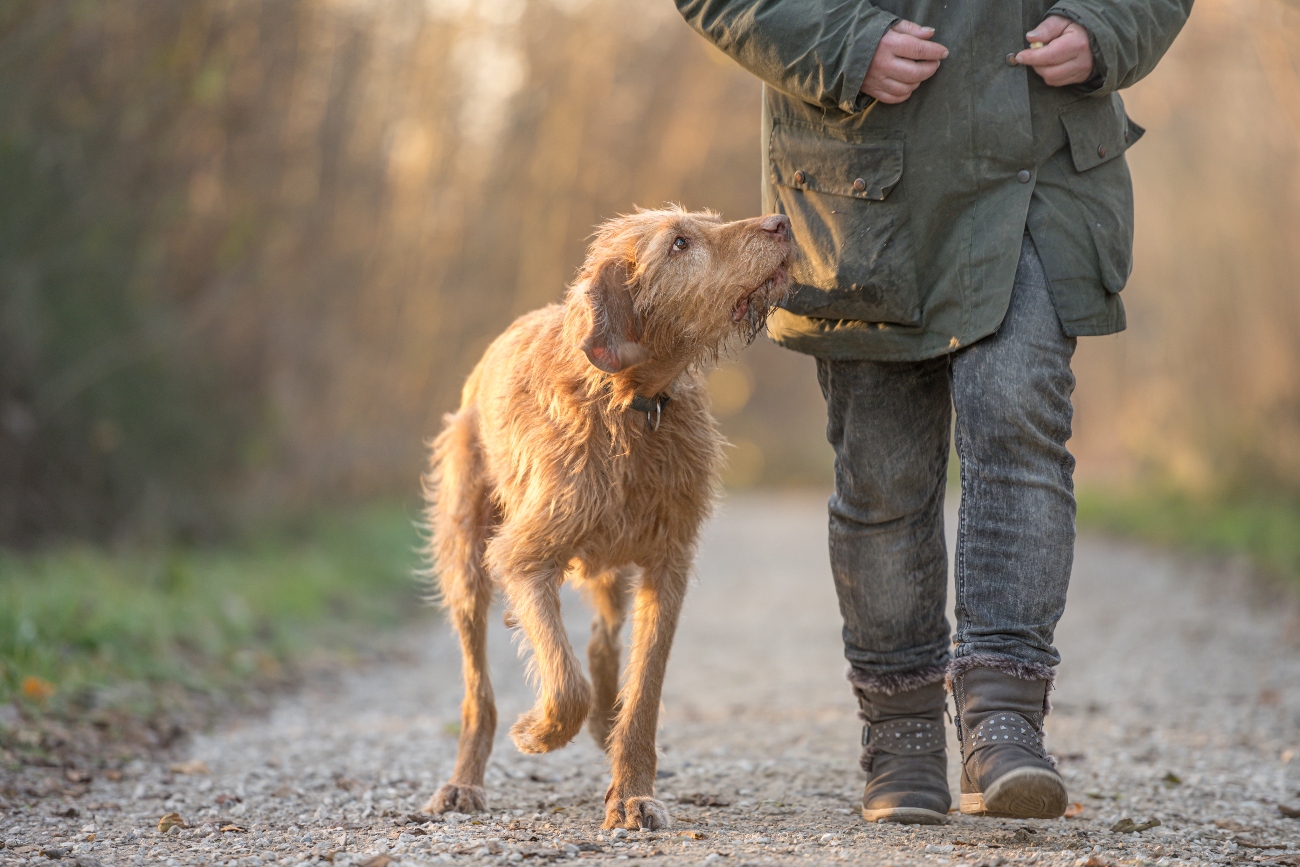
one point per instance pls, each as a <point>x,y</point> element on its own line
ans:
<point>680,243</point>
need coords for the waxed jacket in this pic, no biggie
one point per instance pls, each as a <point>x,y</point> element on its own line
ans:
<point>910,217</point>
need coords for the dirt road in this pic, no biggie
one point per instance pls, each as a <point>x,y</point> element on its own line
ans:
<point>1179,701</point>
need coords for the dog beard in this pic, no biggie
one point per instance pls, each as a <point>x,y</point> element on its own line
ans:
<point>758,307</point>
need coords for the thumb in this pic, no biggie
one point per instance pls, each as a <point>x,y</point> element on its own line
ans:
<point>1051,27</point>
<point>911,28</point>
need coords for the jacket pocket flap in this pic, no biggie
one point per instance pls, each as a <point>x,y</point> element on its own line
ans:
<point>805,160</point>
<point>1098,131</point>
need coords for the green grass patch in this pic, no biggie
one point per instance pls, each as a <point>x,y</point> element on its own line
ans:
<point>1265,530</point>
<point>82,626</point>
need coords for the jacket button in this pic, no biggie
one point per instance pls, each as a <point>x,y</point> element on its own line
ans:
<point>859,186</point>
<point>1023,176</point>
<point>1101,150</point>
<point>1011,60</point>
<point>800,177</point>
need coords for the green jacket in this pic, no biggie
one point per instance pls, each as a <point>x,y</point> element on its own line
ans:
<point>910,217</point>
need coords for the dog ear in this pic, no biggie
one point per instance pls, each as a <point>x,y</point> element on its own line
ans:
<point>614,341</point>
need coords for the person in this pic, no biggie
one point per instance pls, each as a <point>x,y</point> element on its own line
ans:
<point>956,183</point>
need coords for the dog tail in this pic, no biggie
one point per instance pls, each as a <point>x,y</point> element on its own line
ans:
<point>458,512</point>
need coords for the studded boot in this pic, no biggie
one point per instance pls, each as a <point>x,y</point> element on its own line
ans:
<point>1005,771</point>
<point>904,755</point>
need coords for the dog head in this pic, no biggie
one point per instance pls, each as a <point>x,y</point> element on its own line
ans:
<point>678,286</point>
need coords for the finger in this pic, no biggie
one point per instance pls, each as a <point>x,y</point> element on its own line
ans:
<point>899,90</point>
<point>912,48</point>
<point>1062,74</point>
<point>911,28</point>
<point>910,71</point>
<point>1065,73</point>
<point>1055,52</point>
<point>1051,27</point>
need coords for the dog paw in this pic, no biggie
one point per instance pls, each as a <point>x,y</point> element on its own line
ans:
<point>458,799</point>
<point>539,732</point>
<point>636,814</point>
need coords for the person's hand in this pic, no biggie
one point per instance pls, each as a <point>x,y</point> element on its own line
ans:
<point>905,58</point>
<point>1066,55</point>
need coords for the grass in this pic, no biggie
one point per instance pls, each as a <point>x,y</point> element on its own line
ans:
<point>1267,530</point>
<point>84,627</point>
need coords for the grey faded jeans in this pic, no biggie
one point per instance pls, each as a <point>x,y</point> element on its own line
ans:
<point>889,425</point>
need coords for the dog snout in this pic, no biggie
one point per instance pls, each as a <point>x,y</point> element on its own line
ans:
<point>776,224</point>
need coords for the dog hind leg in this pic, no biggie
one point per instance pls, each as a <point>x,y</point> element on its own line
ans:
<point>608,594</point>
<point>459,512</point>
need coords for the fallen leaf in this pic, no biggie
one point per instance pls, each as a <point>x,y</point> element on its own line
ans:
<point>1128,826</point>
<point>231,829</point>
<point>37,688</point>
<point>1074,811</point>
<point>1098,861</point>
<point>347,783</point>
<point>227,799</point>
<point>284,790</point>
<point>1289,811</point>
<point>192,767</point>
<point>1287,860</point>
<point>114,775</point>
<point>1230,825</point>
<point>693,834</point>
<point>1250,843</point>
<point>76,775</point>
<point>700,799</point>
<point>169,821</point>
<point>1172,779</point>
<point>377,861</point>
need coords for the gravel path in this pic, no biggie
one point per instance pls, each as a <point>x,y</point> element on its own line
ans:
<point>1179,701</point>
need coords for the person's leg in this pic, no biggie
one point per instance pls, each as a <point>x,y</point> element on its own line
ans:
<point>889,425</point>
<point>1015,546</point>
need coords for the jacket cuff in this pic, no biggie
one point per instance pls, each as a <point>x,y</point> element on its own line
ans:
<point>1105,50</point>
<point>877,22</point>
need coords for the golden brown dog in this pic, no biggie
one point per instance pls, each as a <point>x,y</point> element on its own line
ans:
<point>584,451</point>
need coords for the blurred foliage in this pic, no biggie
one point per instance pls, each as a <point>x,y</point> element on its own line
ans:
<point>1265,530</point>
<point>249,249</point>
<point>81,628</point>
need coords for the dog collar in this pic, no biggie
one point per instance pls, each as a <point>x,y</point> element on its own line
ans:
<point>653,407</point>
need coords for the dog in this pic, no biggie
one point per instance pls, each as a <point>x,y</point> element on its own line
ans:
<point>584,451</point>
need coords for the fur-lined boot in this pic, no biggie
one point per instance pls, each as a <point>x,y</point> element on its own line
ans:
<point>1005,771</point>
<point>904,754</point>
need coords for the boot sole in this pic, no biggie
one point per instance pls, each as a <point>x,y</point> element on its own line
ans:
<point>905,816</point>
<point>1025,793</point>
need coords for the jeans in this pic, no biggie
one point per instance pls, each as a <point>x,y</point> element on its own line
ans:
<point>889,425</point>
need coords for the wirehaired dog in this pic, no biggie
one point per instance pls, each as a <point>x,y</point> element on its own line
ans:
<point>584,451</point>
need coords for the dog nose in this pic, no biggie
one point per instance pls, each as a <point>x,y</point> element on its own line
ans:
<point>777,224</point>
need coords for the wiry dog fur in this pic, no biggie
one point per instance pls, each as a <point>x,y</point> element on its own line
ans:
<point>546,475</point>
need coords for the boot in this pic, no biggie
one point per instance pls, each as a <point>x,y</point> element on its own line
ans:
<point>1004,769</point>
<point>904,755</point>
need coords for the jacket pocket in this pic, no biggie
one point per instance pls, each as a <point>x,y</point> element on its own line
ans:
<point>1099,132</point>
<point>856,259</point>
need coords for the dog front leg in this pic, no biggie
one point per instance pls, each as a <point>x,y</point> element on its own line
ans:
<point>563,696</point>
<point>630,801</point>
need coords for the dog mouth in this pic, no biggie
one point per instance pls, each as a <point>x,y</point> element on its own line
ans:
<point>756,303</point>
